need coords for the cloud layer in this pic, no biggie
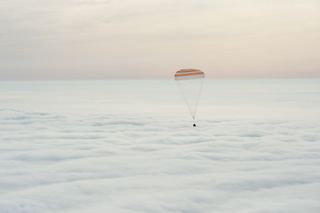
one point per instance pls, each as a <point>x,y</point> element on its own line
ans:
<point>53,159</point>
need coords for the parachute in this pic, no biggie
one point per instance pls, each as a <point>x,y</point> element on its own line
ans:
<point>190,82</point>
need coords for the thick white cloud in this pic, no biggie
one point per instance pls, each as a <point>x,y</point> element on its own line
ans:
<point>115,146</point>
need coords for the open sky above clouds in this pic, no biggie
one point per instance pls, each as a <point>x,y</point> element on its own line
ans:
<point>86,39</point>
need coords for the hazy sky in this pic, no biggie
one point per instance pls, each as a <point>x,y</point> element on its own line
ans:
<point>85,39</point>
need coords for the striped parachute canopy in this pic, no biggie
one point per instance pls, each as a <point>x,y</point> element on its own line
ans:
<point>185,74</point>
<point>190,82</point>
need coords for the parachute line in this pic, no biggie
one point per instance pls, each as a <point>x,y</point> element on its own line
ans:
<point>190,82</point>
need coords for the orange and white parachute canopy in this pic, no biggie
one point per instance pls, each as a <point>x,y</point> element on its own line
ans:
<point>190,82</point>
<point>185,74</point>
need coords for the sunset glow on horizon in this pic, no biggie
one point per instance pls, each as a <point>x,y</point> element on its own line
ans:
<point>106,39</point>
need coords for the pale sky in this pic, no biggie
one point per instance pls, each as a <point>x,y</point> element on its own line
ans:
<point>101,39</point>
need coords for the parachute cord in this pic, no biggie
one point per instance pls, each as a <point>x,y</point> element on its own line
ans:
<point>197,102</point>
<point>185,100</point>
<point>193,115</point>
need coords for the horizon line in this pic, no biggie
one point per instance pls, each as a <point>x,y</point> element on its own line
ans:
<point>119,78</point>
